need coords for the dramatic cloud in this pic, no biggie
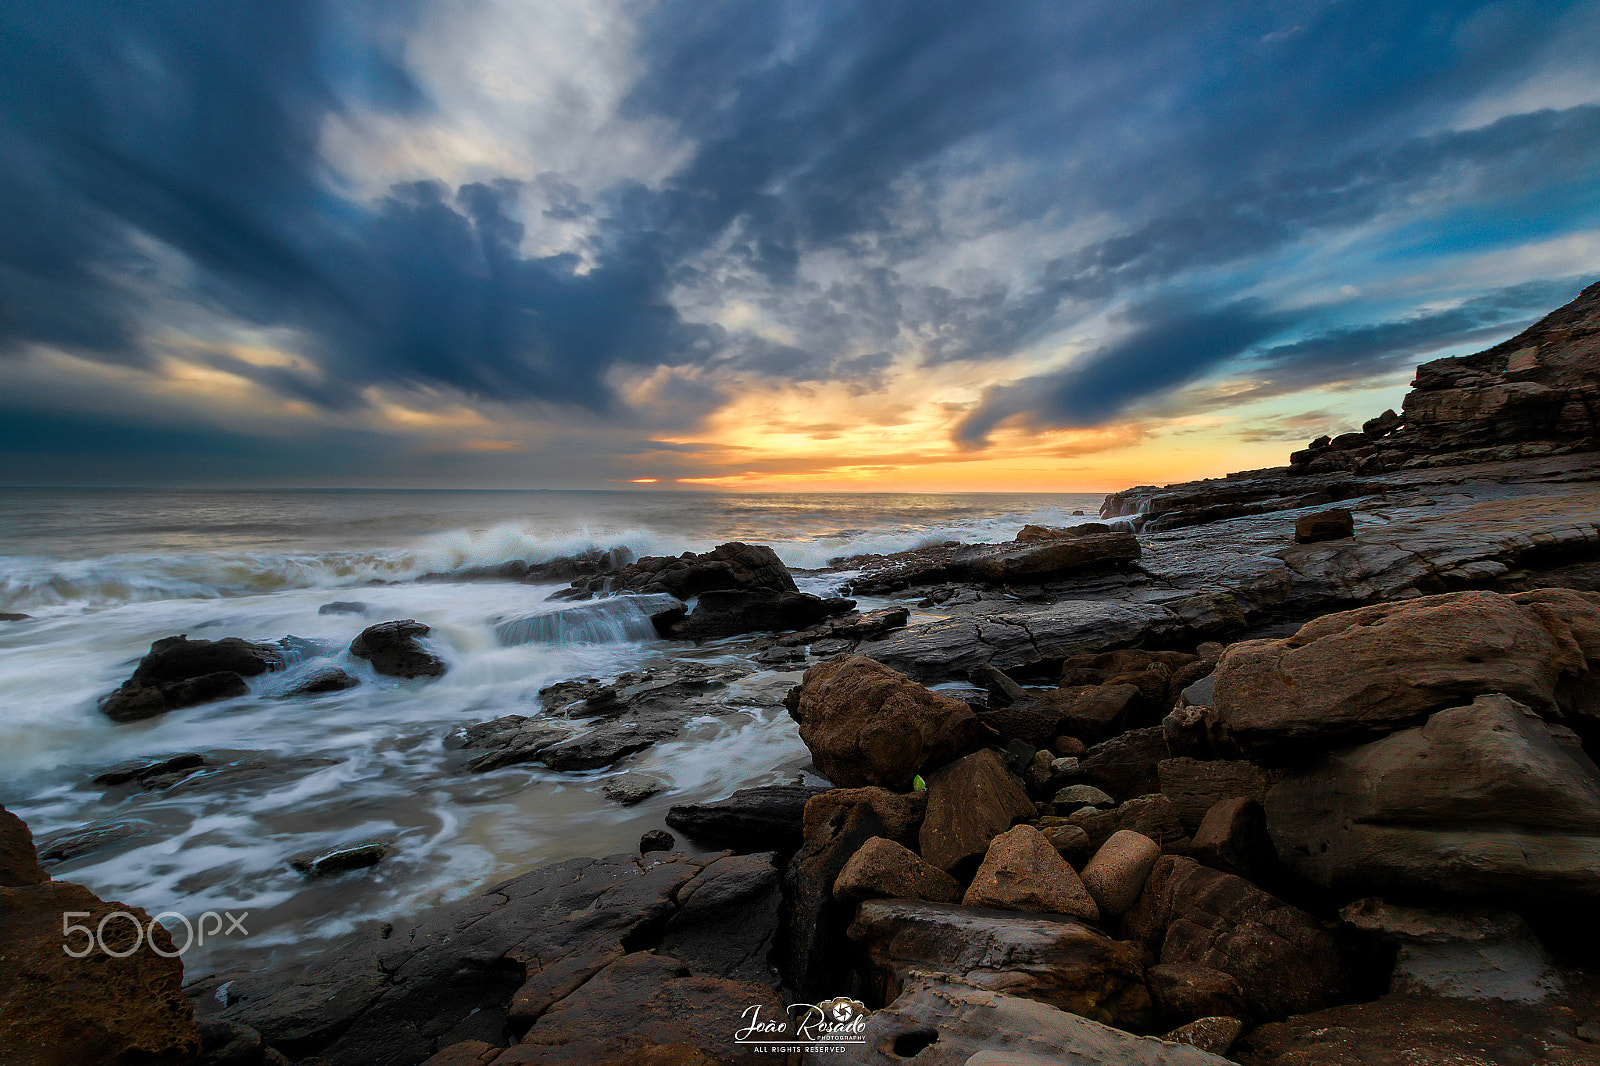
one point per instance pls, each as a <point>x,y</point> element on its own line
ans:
<point>618,216</point>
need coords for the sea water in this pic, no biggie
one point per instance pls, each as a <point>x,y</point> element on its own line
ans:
<point>104,573</point>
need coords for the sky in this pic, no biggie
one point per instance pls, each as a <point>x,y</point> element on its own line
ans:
<point>765,244</point>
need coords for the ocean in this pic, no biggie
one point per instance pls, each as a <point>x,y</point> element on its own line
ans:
<point>104,573</point>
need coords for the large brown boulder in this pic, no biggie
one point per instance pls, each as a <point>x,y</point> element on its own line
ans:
<point>882,867</point>
<point>1023,872</point>
<point>866,724</point>
<point>1051,959</point>
<point>61,1010</point>
<point>970,802</point>
<point>1284,961</point>
<point>901,812</point>
<point>1483,800</point>
<point>1352,675</point>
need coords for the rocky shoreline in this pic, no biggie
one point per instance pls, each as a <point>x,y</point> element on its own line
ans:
<point>1234,775</point>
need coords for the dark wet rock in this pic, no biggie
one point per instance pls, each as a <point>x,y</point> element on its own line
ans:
<point>1355,674</point>
<point>951,1022</point>
<point>853,626</point>
<point>883,867</point>
<point>394,1000</point>
<point>1029,562</point>
<point>512,739</point>
<point>614,619</point>
<point>778,655</point>
<point>970,802</point>
<point>87,995</point>
<point>341,860</point>
<point>224,1043</point>
<point>767,818</point>
<point>13,616</point>
<point>1051,959</point>
<point>672,1016</point>
<point>674,690</point>
<point>1153,816</point>
<point>1485,801</point>
<point>900,812</point>
<point>734,565</point>
<point>1283,959</point>
<point>344,607</point>
<point>392,649</point>
<point>725,613</point>
<point>817,958</point>
<point>70,844</point>
<point>1196,731</point>
<point>1424,1031</point>
<point>143,770</point>
<point>656,840</point>
<point>320,682</point>
<point>866,724</point>
<point>1233,837</point>
<point>173,659</point>
<point>1184,992</point>
<point>1126,765</point>
<point>179,672</point>
<point>605,745</point>
<point>727,920</point>
<point>1194,786</point>
<point>1334,524</point>
<point>1031,638</point>
<point>631,788</point>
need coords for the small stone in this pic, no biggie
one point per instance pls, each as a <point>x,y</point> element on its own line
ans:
<point>656,840</point>
<point>1215,1035</point>
<point>631,788</point>
<point>1068,746</point>
<point>1073,797</point>
<point>880,867</point>
<point>1070,842</point>
<point>1065,764</point>
<point>329,679</point>
<point>1023,872</point>
<point>1117,873</point>
<point>1333,524</point>
<point>343,607</point>
<point>340,860</point>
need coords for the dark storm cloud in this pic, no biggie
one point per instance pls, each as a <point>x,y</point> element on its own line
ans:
<point>1208,138</point>
<point>1356,353</point>
<point>198,126</point>
<point>1170,344</point>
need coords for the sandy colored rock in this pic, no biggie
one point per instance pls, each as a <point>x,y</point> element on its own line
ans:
<point>56,1009</point>
<point>1215,1035</point>
<point>866,724</point>
<point>1117,873</point>
<point>884,868</point>
<point>1482,800</point>
<point>1348,676</point>
<point>1023,872</point>
<point>901,812</point>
